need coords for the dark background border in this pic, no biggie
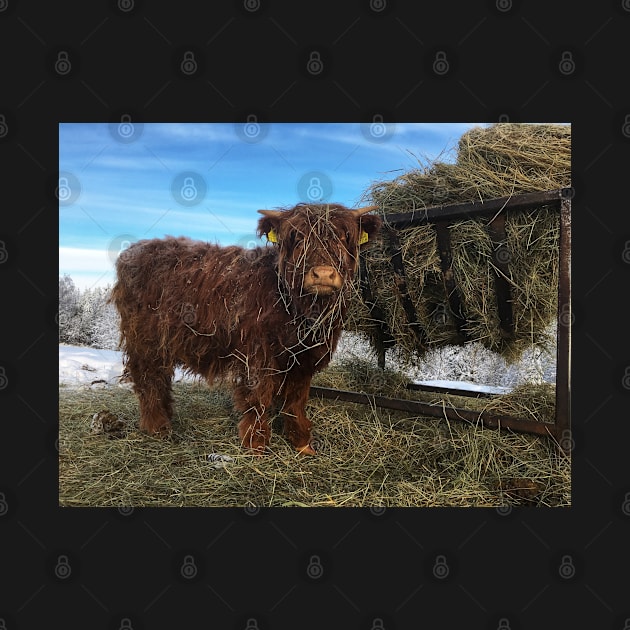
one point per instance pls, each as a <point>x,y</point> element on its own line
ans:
<point>504,60</point>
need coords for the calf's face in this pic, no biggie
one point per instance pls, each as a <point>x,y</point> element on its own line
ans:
<point>318,244</point>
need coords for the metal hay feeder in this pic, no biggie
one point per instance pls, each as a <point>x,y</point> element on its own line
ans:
<point>441,217</point>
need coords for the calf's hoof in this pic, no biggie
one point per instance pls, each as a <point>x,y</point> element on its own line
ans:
<point>258,451</point>
<point>162,431</point>
<point>307,449</point>
<point>253,439</point>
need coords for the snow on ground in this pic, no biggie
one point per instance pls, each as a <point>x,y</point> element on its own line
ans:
<point>469,367</point>
<point>465,385</point>
<point>83,366</point>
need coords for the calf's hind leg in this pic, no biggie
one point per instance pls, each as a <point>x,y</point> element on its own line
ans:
<point>253,428</point>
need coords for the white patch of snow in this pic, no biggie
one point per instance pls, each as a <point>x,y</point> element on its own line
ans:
<point>80,366</point>
<point>464,385</point>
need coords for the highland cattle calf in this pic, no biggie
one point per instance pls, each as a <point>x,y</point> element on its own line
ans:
<point>267,318</point>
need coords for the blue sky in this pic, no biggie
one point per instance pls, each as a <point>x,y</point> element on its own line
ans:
<point>123,182</point>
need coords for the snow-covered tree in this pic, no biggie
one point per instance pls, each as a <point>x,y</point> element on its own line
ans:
<point>474,363</point>
<point>105,330</point>
<point>85,317</point>
<point>69,297</point>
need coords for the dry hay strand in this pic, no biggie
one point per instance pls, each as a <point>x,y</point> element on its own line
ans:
<point>501,160</point>
<point>367,457</point>
<point>362,375</point>
<point>531,401</point>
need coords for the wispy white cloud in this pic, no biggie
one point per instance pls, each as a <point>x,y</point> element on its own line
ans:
<point>195,132</point>
<point>92,280</point>
<point>75,258</point>
<point>398,133</point>
<point>88,268</point>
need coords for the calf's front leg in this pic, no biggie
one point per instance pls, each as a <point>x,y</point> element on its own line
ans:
<point>297,426</point>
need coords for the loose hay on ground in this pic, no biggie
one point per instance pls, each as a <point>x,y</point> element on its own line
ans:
<point>366,457</point>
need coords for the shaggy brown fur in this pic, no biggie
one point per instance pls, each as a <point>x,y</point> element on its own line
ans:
<point>268,318</point>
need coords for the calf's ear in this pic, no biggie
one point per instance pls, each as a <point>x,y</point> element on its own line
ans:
<point>369,225</point>
<point>269,224</point>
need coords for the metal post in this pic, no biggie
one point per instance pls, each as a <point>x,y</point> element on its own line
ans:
<point>562,428</point>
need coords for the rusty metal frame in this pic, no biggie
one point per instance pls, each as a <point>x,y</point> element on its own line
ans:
<point>560,429</point>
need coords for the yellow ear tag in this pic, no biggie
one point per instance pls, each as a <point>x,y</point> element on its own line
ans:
<point>363,238</point>
<point>272,237</point>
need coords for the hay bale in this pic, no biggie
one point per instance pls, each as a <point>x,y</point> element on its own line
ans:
<point>501,160</point>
